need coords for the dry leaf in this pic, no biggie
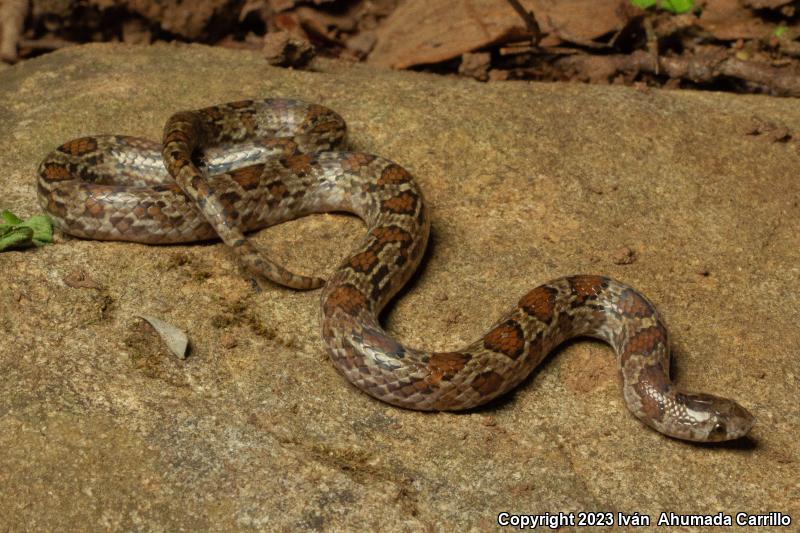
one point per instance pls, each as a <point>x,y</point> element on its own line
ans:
<point>175,339</point>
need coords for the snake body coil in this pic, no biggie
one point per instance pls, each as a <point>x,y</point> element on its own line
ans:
<point>246,165</point>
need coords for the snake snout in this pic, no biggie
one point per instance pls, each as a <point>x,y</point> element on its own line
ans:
<point>732,421</point>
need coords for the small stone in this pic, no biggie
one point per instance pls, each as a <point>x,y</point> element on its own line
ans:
<point>229,341</point>
<point>499,75</point>
<point>135,31</point>
<point>475,65</point>
<point>362,44</point>
<point>79,279</point>
<point>282,49</point>
<point>625,256</point>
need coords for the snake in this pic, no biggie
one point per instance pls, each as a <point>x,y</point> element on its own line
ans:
<point>233,168</point>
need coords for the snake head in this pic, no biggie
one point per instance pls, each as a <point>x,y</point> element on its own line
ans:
<point>715,419</point>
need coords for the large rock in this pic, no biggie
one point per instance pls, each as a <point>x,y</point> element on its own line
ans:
<point>101,429</point>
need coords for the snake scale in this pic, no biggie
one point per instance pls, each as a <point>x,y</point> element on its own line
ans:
<point>237,167</point>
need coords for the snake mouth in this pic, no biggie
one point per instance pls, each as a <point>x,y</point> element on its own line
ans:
<point>743,421</point>
<point>732,422</point>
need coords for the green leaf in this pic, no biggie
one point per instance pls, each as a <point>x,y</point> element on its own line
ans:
<point>677,6</point>
<point>42,229</point>
<point>673,6</point>
<point>18,233</point>
<point>9,217</point>
<point>780,30</point>
<point>17,237</point>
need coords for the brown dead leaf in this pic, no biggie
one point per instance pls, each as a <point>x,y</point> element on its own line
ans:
<point>728,20</point>
<point>324,25</point>
<point>175,339</point>
<point>766,4</point>
<point>431,31</point>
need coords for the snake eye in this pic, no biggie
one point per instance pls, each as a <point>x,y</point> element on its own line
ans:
<point>718,429</point>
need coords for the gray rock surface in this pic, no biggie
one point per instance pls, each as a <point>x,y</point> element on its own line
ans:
<point>101,429</point>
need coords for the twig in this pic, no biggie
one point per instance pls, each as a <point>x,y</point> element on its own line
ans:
<point>782,81</point>
<point>703,68</point>
<point>652,42</point>
<point>790,48</point>
<point>12,20</point>
<point>530,21</point>
<point>45,43</point>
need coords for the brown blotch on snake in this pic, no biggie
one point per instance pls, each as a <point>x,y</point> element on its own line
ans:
<point>507,339</point>
<point>446,365</point>
<point>540,303</point>
<point>79,147</point>
<point>240,167</point>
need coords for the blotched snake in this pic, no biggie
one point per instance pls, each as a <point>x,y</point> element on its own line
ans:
<point>246,165</point>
